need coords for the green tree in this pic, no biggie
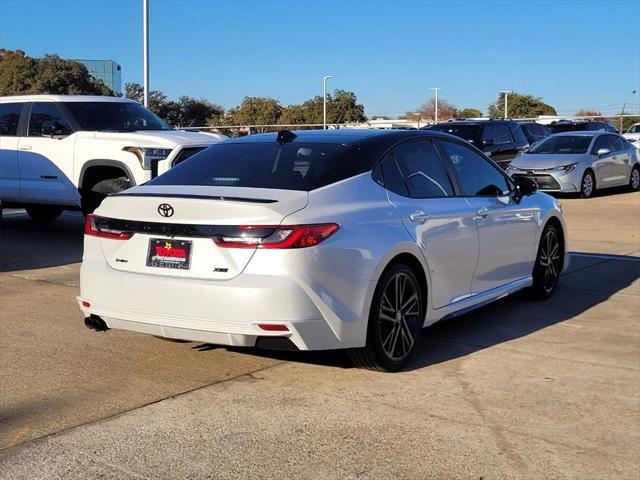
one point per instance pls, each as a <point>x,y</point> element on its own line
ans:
<point>185,112</point>
<point>255,111</point>
<point>520,106</point>
<point>343,107</point>
<point>24,75</point>
<point>470,113</point>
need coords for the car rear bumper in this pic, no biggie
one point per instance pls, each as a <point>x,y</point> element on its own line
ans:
<point>228,312</point>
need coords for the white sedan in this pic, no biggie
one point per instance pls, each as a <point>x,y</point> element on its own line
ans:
<point>319,240</point>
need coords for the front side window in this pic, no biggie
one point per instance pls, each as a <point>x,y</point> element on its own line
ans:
<point>421,171</point>
<point>9,118</point>
<point>45,112</point>
<point>634,128</point>
<point>293,166</point>
<point>477,177</point>
<point>563,144</point>
<point>115,117</point>
<point>619,144</point>
<point>603,141</point>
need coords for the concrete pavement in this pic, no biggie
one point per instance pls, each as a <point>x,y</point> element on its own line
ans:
<point>518,389</point>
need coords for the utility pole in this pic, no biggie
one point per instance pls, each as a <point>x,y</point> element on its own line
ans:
<point>324,100</point>
<point>145,35</point>
<point>435,113</point>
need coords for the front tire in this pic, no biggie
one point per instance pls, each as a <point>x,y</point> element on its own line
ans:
<point>93,197</point>
<point>588,185</point>
<point>549,260</point>
<point>634,179</point>
<point>44,213</point>
<point>395,321</point>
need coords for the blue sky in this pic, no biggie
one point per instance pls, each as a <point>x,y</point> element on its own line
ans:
<point>574,54</point>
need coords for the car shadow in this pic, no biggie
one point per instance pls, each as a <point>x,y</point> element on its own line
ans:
<point>591,280</point>
<point>28,245</point>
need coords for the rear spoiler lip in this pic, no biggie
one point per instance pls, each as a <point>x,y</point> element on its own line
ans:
<point>200,197</point>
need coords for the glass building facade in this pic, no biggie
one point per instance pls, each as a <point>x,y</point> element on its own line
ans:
<point>108,71</point>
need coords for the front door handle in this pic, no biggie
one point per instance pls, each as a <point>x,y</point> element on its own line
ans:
<point>482,212</point>
<point>419,216</point>
<point>25,147</point>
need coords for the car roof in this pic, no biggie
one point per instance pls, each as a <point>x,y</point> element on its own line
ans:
<point>589,133</point>
<point>62,98</point>
<point>343,136</point>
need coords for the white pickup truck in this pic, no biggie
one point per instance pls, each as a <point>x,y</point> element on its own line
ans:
<point>64,152</point>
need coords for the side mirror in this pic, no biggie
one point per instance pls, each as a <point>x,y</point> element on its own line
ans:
<point>525,185</point>
<point>603,152</point>
<point>51,128</point>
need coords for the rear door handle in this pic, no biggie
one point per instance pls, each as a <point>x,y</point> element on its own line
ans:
<point>25,147</point>
<point>419,216</point>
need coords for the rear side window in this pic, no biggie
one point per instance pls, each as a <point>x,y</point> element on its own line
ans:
<point>45,112</point>
<point>502,135</point>
<point>422,170</point>
<point>477,177</point>
<point>293,166</point>
<point>9,118</point>
<point>619,144</point>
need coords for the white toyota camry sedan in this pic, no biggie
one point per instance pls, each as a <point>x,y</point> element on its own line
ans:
<point>313,240</point>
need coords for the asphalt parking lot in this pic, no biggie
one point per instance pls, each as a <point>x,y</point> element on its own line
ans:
<point>517,389</point>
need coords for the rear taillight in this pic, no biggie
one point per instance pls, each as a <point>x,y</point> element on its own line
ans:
<point>283,236</point>
<point>100,227</point>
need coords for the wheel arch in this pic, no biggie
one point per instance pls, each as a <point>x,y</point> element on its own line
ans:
<point>411,256</point>
<point>90,169</point>
<point>557,222</point>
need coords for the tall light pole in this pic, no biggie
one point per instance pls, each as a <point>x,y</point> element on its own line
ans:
<point>145,34</point>
<point>324,100</point>
<point>435,114</point>
<point>506,104</point>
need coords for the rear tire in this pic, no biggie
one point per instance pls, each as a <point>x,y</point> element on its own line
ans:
<point>549,261</point>
<point>93,197</point>
<point>44,213</point>
<point>395,322</point>
<point>634,179</point>
<point>588,185</point>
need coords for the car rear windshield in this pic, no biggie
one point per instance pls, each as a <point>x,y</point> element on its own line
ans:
<point>292,166</point>
<point>567,144</point>
<point>471,133</point>
<point>115,117</point>
<point>569,127</point>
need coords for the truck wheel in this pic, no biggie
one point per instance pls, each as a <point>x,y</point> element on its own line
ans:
<point>44,213</point>
<point>92,197</point>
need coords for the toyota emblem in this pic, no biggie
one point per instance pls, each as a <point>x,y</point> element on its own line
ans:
<point>165,210</point>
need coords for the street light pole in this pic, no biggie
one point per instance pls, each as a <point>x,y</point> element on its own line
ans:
<point>324,100</point>
<point>435,113</point>
<point>506,104</point>
<point>145,34</point>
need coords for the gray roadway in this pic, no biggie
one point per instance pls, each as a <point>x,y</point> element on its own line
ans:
<point>518,389</point>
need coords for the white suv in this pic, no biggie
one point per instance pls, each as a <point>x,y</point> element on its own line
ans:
<point>61,152</point>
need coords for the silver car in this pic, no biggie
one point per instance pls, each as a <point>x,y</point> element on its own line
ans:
<point>580,162</point>
<point>319,240</point>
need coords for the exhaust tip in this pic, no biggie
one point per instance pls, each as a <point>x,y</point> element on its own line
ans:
<point>94,322</point>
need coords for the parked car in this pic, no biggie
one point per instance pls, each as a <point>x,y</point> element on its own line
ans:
<point>579,162</point>
<point>633,134</point>
<point>68,152</point>
<point>316,240</point>
<point>503,140</point>
<point>562,126</point>
<point>534,131</point>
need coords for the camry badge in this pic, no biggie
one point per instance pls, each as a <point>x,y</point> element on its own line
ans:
<point>165,210</point>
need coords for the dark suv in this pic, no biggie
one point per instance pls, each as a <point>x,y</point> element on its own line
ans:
<point>562,126</point>
<point>502,140</point>
<point>534,131</point>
